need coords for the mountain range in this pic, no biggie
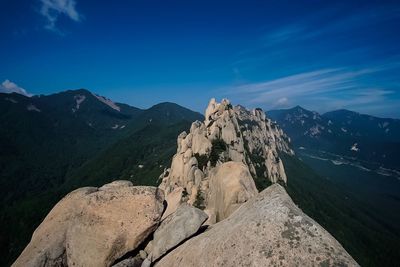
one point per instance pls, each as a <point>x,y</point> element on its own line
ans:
<point>343,132</point>
<point>352,145</point>
<point>53,144</point>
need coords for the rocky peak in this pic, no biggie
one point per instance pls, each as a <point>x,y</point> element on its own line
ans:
<point>228,134</point>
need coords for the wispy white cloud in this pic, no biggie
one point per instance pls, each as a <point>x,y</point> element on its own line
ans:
<point>314,30</point>
<point>323,89</point>
<point>53,9</point>
<point>318,81</point>
<point>9,87</point>
<point>283,34</point>
<point>283,102</point>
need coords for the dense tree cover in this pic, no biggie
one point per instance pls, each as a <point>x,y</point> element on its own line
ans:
<point>202,160</point>
<point>139,158</point>
<point>218,147</point>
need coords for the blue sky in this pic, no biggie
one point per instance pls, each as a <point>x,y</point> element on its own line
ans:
<point>268,54</point>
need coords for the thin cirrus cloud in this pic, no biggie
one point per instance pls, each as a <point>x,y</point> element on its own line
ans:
<point>9,87</point>
<point>322,89</point>
<point>53,9</point>
<point>347,23</point>
<point>312,31</point>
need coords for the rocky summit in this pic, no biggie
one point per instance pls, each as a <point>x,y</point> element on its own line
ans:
<point>268,230</point>
<point>207,210</point>
<point>246,139</point>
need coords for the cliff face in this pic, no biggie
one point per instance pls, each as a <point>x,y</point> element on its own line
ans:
<point>247,139</point>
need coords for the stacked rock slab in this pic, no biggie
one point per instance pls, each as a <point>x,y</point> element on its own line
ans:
<point>268,230</point>
<point>228,134</point>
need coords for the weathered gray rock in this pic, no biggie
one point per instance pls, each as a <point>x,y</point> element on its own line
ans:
<point>268,230</point>
<point>94,226</point>
<point>173,200</point>
<point>143,254</point>
<point>149,247</point>
<point>146,263</point>
<point>177,227</point>
<point>130,262</point>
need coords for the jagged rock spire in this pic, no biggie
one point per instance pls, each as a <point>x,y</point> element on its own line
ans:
<point>228,134</point>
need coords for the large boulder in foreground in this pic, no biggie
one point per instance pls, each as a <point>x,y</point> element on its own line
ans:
<point>176,228</point>
<point>94,226</point>
<point>268,230</point>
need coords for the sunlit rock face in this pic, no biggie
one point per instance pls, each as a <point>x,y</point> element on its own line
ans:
<point>228,134</point>
<point>94,226</point>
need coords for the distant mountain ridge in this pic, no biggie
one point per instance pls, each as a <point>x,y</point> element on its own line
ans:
<point>343,132</point>
<point>349,123</point>
<point>367,126</point>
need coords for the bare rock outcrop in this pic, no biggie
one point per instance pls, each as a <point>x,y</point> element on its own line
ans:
<point>230,185</point>
<point>94,226</point>
<point>268,230</point>
<point>130,262</point>
<point>228,134</point>
<point>176,228</point>
<point>174,200</point>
